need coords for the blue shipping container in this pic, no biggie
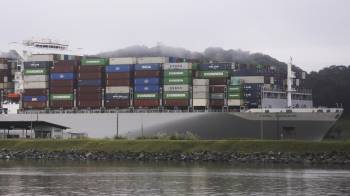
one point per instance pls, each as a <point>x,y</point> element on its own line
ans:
<point>89,82</point>
<point>37,64</point>
<point>34,98</point>
<point>146,81</point>
<point>146,89</point>
<point>110,96</point>
<point>148,67</point>
<point>62,76</point>
<point>118,68</point>
<point>215,66</point>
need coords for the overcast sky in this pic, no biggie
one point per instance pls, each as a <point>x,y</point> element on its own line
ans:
<point>315,32</point>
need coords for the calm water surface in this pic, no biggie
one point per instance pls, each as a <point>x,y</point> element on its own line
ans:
<point>122,178</point>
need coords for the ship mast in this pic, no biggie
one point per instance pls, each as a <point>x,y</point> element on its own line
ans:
<point>290,77</point>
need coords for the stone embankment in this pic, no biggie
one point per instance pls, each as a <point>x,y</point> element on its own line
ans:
<point>328,158</point>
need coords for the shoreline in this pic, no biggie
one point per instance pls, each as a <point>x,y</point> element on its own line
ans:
<point>221,151</point>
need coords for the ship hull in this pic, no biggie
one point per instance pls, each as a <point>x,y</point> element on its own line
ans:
<point>206,125</point>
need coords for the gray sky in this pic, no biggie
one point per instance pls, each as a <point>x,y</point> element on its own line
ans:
<point>315,32</point>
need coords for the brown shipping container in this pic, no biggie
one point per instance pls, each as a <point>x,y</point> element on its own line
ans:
<point>89,89</point>
<point>3,72</point>
<point>34,105</point>
<point>64,89</point>
<point>61,83</point>
<point>216,102</point>
<point>142,74</point>
<point>90,68</point>
<point>35,92</point>
<point>89,76</point>
<point>116,76</point>
<point>146,102</point>
<point>89,104</point>
<point>62,69</point>
<point>3,61</point>
<point>217,81</point>
<point>67,62</point>
<point>65,104</point>
<point>117,103</point>
<point>217,89</point>
<point>89,96</point>
<point>2,79</point>
<point>125,82</point>
<point>176,102</point>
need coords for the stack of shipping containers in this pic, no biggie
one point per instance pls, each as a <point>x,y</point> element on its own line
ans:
<point>177,82</point>
<point>35,81</point>
<point>200,93</point>
<point>90,77</point>
<point>3,77</point>
<point>147,81</point>
<point>119,76</point>
<point>217,73</point>
<point>62,84</point>
<point>234,92</point>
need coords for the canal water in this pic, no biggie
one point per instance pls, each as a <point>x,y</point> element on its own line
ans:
<point>134,178</point>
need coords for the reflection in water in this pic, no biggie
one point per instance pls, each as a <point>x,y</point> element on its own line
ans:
<point>123,178</point>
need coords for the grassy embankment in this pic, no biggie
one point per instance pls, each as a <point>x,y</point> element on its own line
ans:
<point>244,146</point>
<point>341,129</point>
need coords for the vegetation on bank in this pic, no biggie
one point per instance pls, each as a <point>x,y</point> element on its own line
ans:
<point>243,146</point>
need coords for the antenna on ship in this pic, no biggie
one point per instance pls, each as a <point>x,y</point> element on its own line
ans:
<point>290,77</point>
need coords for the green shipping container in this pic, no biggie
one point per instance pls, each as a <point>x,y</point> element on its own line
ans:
<point>177,73</point>
<point>36,71</point>
<point>234,96</point>
<point>213,74</point>
<point>194,66</point>
<point>235,81</point>
<point>61,97</point>
<point>182,80</point>
<point>176,95</point>
<point>234,88</point>
<point>97,61</point>
<point>146,96</point>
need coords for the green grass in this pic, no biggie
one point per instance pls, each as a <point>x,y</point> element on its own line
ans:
<point>341,129</point>
<point>244,146</point>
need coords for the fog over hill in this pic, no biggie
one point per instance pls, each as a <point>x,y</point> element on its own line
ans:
<point>210,54</point>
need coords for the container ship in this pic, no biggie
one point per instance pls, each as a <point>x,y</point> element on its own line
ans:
<point>54,88</point>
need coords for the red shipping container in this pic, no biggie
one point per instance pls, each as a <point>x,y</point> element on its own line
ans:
<point>67,62</point>
<point>89,89</point>
<point>90,68</point>
<point>176,102</point>
<point>89,96</point>
<point>216,102</point>
<point>146,102</point>
<point>61,89</point>
<point>146,74</point>
<point>217,81</point>
<point>34,105</point>
<point>116,76</point>
<point>63,69</point>
<point>65,104</point>
<point>125,82</point>
<point>35,92</point>
<point>89,104</point>
<point>217,89</point>
<point>89,76</point>
<point>117,103</point>
<point>62,83</point>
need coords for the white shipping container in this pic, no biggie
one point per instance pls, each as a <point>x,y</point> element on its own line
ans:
<point>177,66</point>
<point>176,88</point>
<point>200,95</point>
<point>35,78</point>
<point>200,102</point>
<point>122,60</point>
<point>200,82</point>
<point>200,88</point>
<point>3,66</point>
<point>5,79</point>
<point>18,76</point>
<point>145,60</point>
<point>35,85</point>
<point>303,75</point>
<point>41,57</point>
<point>272,80</point>
<point>251,79</point>
<point>117,89</point>
<point>234,102</point>
<point>297,82</point>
